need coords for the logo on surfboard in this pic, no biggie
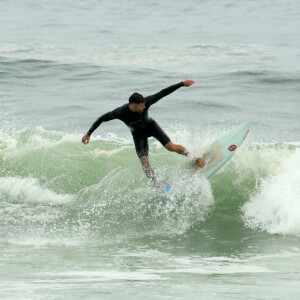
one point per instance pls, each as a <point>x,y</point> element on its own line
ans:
<point>232,147</point>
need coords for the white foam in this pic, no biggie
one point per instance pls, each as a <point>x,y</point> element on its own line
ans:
<point>106,275</point>
<point>119,145</point>
<point>229,269</point>
<point>18,189</point>
<point>275,206</point>
<point>28,140</point>
<point>43,241</point>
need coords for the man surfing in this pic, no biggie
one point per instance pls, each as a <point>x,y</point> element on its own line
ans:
<point>135,116</point>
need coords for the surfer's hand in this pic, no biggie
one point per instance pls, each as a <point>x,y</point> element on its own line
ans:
<point>188,82</point>
<point>200,161</point>
<point>86,139</point>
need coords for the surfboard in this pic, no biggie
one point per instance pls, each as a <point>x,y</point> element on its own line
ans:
<point>219,152</point>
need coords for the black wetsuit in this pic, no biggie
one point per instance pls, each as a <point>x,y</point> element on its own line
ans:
<point>140,124</point>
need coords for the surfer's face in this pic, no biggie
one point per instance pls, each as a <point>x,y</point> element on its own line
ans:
<point>137,107</point>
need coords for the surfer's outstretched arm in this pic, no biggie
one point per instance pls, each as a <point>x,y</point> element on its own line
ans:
<point>167,91</point>
<point>104,118</point>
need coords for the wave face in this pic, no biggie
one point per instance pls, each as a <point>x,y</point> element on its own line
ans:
<point>54,185</point>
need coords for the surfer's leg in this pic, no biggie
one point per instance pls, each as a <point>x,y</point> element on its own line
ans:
<point>176,148</point>
<point>162,137</point>
<point>182,150</point>
<point>148,170</point>
<point>142,149</point>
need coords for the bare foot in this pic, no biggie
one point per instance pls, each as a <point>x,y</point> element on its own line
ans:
<point>200,161</point>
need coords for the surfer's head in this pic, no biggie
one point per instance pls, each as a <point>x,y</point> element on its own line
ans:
<point>137,102</point>
<point>136,98</point>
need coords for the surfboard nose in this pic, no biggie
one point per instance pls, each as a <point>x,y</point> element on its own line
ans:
<point>245,127</point>
<point>248,124</point>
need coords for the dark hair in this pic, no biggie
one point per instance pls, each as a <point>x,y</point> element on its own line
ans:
<point>136,98</point>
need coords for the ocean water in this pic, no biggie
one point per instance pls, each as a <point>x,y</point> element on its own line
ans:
<point>81,221</point>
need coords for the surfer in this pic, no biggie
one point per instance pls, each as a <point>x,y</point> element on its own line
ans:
<point>135,116</point>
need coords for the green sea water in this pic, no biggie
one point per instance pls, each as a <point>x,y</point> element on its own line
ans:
<point>78,219</point>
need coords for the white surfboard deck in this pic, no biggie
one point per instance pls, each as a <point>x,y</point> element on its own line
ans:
<point>218,153</point>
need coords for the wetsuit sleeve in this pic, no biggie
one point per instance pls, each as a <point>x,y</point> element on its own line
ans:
<point>104,118</point>
<point>165,92</point>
